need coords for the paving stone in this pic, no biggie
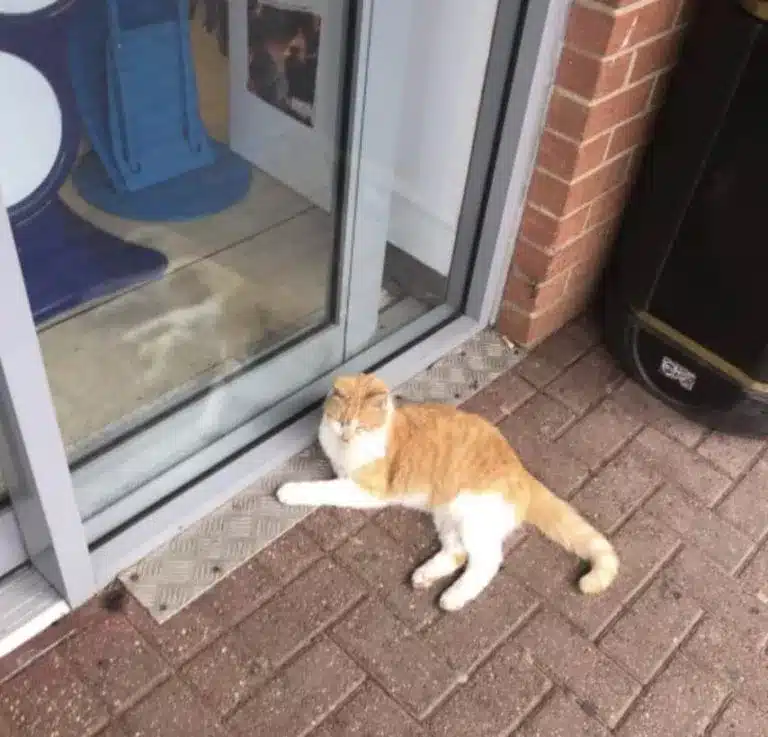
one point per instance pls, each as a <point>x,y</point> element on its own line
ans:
<point>651,629</point>
<point>681,702</point>
<point>500,398</point>
<point>746,507</point>
<point>754,577</point>
<point>681,466</point>
<point>575,662</point>
<point>171,711</point>
<point>117,662</point>
<point>369,713</point>
<point>240,593</point>
<point>739,720</point>
<point>379,561</point>
<point>722,542</point>
<point>599,435</point>
<point>47,698</point>
<point>301,695</point>
<point>413,531</point>
<point>183,635</point>
<point>720,595</point>
<point>730,453</point>
<point>557,352</point>
<point>620,488</point>
<point>643,546</point>
<point>649,410</point>
<point>586,381</point>
<point>289,555</point>
<point>530,431</point>
<point>400,661</point>
<point>742,666</point>
<point>330,527</point>
<point>561,716</point>
<point>497,697</point>
<point>467,636</point>
<point>287,622</point>
<point>225,673</point>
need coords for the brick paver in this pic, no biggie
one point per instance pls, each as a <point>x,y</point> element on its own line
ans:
<point>320,634</point>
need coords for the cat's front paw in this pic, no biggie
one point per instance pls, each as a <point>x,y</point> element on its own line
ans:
<point>454,598</point>
<point>293,494</point>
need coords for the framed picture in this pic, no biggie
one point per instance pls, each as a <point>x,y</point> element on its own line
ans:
<point>284,90</point>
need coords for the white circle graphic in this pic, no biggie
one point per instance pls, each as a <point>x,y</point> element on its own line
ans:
<point>30,128</point>
<point>23,7</point>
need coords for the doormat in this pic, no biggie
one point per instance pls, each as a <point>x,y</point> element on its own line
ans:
<point>181,570</point>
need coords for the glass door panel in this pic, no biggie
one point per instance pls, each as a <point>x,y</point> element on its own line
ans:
<point>181,244</point>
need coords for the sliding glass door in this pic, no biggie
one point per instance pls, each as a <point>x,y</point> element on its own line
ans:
<point>219,204</point>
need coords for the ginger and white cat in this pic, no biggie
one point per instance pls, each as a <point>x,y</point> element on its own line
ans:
<point>452,464</point>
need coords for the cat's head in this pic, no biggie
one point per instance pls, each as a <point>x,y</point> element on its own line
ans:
<point>356,405</point>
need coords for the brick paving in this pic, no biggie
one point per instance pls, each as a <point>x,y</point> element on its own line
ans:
<point>321,635</point>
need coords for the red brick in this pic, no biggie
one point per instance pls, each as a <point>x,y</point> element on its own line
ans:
<point>319,680</point>
<point>643,547</point>
<point>527,294</point>
<point>591,77</point>
<point>561,716</point>
<point>556,353</point>
<point>119,665</point>
<point>579,665</point>
<point>587,381</point>
<point>609,498</point>
<point>548,192</point>
<point>681,466</point>
<point>331,527</point>
<point>287,622</point>
<point>530,430</point>
<point>591,30</point>
<point>545,231</point>
<point>369,713</point>
<point>739,720</point>
<point>633,133</point>
<point>655,55</point>
<point>720,595</point>
<point>567,116</point>
<point>651,629</point>
<point>650,410</point>
<point>754,577</point>
<point>617,108</point>
<point>598,435</point>
<point>399,660</point>
<point>47,698</point>
<point>225,673</point>
<point>171,711</point>
<point>730,453</point>
<point>500,398</point>
<point>290,554</point>
<point>698,525</point>
<point>740,665</point>
<point>608,206</point>
<point>682,701</point>
<point>569,160</point>
<point>746,506</point>
<point>467,636</point>
<point>498,696</point>
<point>378,560</point>
<point>528,329</point>
<point>413,531</point>
<point>593,184</point>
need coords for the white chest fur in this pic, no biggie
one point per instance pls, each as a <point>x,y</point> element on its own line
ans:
<point>346,457</point>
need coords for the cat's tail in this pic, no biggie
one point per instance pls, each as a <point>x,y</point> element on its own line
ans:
<point>560,522</point>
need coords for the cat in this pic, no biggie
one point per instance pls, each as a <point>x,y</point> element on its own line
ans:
<point>453,464</point>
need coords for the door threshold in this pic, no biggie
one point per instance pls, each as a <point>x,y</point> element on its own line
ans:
<point>28,605</point>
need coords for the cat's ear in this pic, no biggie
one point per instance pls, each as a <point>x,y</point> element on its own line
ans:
<point>377,392</point>
<point>343,386</point>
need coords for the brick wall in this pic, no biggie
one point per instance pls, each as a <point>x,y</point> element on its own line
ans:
<point>610,80</point>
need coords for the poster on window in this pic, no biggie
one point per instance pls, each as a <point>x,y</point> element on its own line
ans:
<point>283,49</point>
<point>285,79</point>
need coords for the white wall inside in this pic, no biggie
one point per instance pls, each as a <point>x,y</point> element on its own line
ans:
<point>449,45</point>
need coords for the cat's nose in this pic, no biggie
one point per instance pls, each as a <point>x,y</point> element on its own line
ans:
<point>347,433</point>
